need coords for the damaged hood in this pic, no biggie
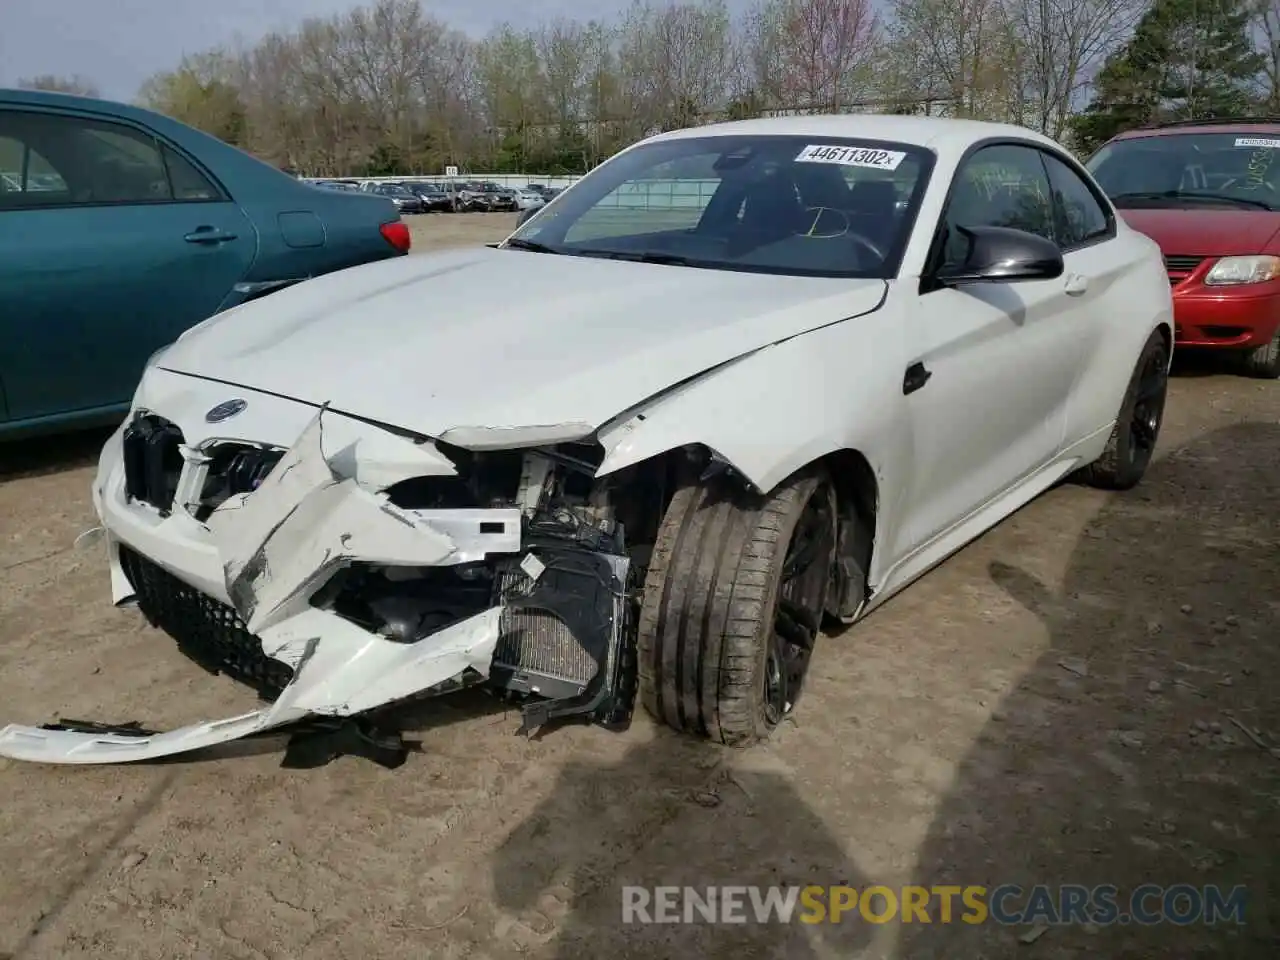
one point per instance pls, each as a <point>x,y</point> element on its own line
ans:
<point>494,338</point>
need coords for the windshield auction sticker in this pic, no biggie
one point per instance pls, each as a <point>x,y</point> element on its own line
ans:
<point>851,156</point>
<point>1258,142</point>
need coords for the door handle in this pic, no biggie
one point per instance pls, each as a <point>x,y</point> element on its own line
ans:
<point>208,235</point>
<point>1076,285</point>
<point>915,378</point>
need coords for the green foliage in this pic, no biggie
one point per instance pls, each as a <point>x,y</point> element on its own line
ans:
<point>744,107</point>
<point>200,93</point>
<point>1187,59</point>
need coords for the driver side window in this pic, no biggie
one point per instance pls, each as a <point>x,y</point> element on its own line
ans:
<point>1004,185</point>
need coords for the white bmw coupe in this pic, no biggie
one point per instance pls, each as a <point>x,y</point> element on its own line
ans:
<point>756,375</point>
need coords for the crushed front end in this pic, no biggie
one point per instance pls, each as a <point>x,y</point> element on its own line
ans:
<point>355,569</point>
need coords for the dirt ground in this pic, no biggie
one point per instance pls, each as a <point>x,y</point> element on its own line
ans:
<point>1055,704</point>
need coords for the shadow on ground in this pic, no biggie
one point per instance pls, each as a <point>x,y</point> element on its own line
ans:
<point>1116,759</point>
<point>39,457</point>
<point>703,825</point>
<point>1205,363</point>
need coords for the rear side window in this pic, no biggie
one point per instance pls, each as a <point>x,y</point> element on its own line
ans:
<point>188,183</point>
<point>55,160</point>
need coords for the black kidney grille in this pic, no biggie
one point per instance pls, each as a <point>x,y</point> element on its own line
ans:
<point>207,631</point>
<point>152,460</point>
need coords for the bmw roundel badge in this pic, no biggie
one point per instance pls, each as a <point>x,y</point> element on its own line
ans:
<point>225,410</point>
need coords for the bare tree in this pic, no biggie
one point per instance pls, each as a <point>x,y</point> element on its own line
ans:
<point>674,64</point>
<point>562,47</point>
<point>81,86</point>
<point>511,85</point>
<point>445,75</point>
<point>691,53</point>
<point>1267,29</point>
<point>957,51</point>
<point>276,105</point>
<point>387,88</point>
<point>826,50</point>
<point>762,62</point>
<point>1057,47</point>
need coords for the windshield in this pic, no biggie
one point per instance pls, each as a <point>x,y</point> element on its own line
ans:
<point>804,206</point>
<point>1186,169</point>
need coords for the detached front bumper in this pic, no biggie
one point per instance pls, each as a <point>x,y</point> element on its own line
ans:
<point>237,589</point>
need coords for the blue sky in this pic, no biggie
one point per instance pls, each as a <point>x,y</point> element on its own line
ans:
<point>119,43</point>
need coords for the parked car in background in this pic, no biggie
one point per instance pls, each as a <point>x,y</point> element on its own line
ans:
<point>406,200</point>
<point>121,228</point>
<point>471,197</point>
<point>499,197</point>
<point>1208,192</point>
<point>547,193</point>
<point>699,431</point>
<point>433,196</point>
<point>527,199</point>
<point>346,186</point>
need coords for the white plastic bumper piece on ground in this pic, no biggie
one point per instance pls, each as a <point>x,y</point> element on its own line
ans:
<point>277,547</point>
<point>342,674</point>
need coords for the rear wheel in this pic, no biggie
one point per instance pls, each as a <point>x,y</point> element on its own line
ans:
<point>733,603</point>
<point>1133,439</point>
<point>1264,362</point>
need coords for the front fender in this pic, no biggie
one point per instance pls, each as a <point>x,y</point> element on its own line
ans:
<point>766,414</point>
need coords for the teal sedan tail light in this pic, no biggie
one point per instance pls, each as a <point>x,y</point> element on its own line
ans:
<point>397,234</point>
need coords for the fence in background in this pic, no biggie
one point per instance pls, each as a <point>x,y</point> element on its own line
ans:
<point>503,179</point>
<point>636,194</point>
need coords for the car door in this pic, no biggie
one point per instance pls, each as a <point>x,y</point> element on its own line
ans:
<point>111,244</point>
<point>993,363</point>
<point>1085,225</point>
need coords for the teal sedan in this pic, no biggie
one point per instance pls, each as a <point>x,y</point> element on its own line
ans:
<point>120,228</point>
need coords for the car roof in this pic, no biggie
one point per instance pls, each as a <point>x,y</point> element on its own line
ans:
<point>931,132</point>
<point>47,98</point>
<point>1235,125</point>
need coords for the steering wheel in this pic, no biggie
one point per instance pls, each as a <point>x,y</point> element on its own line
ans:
<point>815,231</point>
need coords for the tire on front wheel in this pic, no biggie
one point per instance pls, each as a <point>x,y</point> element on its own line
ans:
<point>1133,439</point>
<point>733,602</point>
<point>1264,362</point>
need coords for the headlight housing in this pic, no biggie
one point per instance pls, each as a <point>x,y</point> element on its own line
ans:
<point>1231,271</point>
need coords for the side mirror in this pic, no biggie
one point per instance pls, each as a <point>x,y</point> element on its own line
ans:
<point>525,215</point>
<point>1002,255</point>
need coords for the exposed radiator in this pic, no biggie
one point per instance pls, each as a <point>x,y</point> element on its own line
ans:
<point>538,643</point>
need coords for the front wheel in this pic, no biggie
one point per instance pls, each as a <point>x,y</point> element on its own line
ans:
<point>733,603</point>
<point>1133,439</point>
<point>1264,362</point>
